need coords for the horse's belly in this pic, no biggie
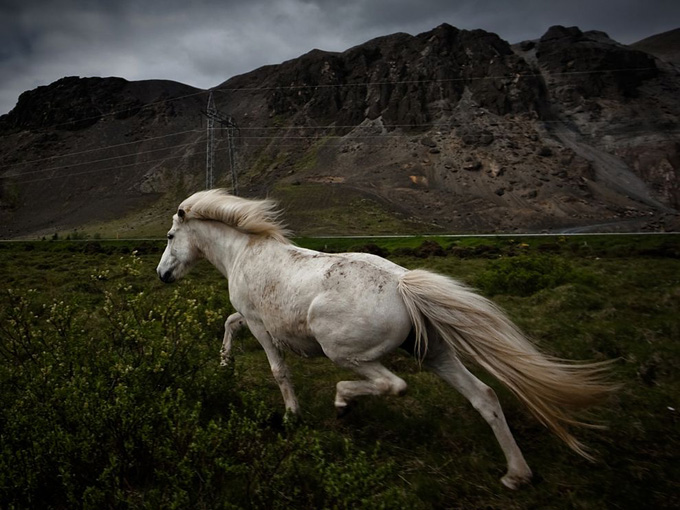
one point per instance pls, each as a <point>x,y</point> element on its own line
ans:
<point>302,345</point>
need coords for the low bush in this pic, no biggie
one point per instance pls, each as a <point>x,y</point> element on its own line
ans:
<point>524,275</point>
<point>124,405</point>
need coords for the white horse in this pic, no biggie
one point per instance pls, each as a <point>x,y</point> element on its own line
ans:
<point>355,308</point>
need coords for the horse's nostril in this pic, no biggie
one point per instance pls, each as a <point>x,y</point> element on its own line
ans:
<point>166,277</point>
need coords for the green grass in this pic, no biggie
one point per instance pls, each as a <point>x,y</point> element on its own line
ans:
<point>111,394</point>
<point>317,209</point>
<point>151,222</point>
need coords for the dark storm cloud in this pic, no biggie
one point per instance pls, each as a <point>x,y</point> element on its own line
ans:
<point>204,42</point>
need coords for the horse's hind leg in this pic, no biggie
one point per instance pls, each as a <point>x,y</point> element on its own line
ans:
<point>484,400</point>
<point>379,381</point>
<point>234,322</point>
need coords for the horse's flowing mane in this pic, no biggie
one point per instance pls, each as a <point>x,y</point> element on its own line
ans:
<point>258,217</point>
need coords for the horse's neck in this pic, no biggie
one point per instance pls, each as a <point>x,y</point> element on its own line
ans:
<point>220,245</point>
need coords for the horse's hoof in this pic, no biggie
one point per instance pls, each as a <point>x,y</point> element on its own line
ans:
<point>514,482</point>
<point>343,410</point>
<point>291,419</point>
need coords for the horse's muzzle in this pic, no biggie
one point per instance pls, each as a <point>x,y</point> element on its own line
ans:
<point>166,277</point>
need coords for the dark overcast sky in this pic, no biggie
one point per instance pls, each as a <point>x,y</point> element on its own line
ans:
<point>204,42</point>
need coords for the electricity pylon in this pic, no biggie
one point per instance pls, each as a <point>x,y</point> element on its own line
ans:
<point>226,121</point>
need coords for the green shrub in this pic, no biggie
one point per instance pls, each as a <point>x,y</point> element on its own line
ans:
<point>124,405</point>
<point>111,394</point>
<point>524,275</point>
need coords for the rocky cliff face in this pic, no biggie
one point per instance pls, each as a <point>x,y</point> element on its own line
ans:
<point>449,130</point>
<point>407,81</point>
<point>74,104</point>
<point>621,106</point>
<point>93,149</point>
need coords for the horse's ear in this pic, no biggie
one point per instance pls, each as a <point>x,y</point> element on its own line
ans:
<point>181,214</point>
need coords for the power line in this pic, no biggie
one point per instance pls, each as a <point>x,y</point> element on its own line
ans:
<point>436,80</point>
<point>498,120</point>
<point>387,136</point>
<point>340,85</point>
<point>97,149</point>
<point>284,128</point>
<point>231,126</point>
<point>102,160</point>
<point>288,128</point>
<point>108,169</point>
<point>17,177</point>
<point>261,138</point>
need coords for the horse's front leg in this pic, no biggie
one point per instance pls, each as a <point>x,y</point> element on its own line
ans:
<point>278,366</point>
<point>234,322</point>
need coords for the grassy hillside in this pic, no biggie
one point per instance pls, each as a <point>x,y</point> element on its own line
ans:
<point>111,393</point>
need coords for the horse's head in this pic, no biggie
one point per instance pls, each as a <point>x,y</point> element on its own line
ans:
<point>180,253</point>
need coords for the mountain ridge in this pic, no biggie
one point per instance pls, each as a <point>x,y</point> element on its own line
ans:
<point>449,130</point>
<point>665,46</point>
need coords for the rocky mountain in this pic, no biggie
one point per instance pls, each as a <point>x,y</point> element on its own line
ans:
<point>446,131</point>
<point>665,46</point>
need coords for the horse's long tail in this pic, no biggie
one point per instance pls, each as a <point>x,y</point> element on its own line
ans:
<point>474,327</point>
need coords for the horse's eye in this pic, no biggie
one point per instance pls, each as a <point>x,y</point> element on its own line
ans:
<point>171,236</point>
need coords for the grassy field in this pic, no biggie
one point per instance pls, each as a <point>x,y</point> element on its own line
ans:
<point>111,393</point>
